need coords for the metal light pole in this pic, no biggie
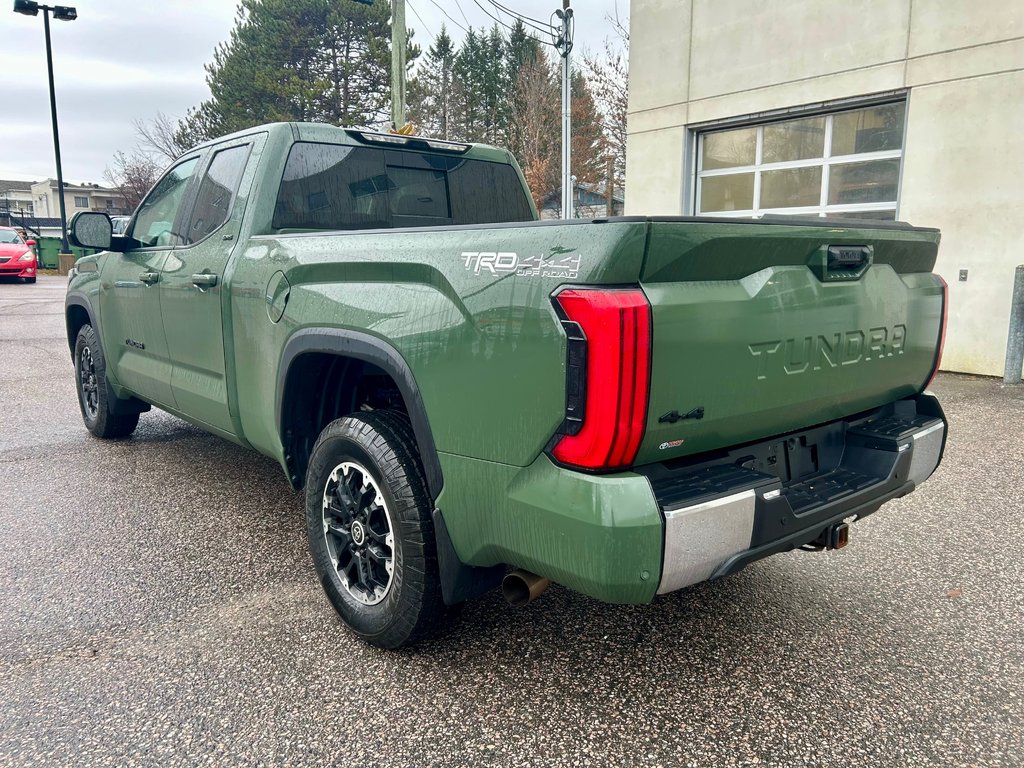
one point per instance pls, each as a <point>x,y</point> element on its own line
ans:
<point>61,13</point>
<point>564,46</point>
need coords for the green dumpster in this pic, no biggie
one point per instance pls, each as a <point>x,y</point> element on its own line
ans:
<point>47,249</point>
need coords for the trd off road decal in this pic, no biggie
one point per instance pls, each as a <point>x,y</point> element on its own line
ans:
<point>503,263</point>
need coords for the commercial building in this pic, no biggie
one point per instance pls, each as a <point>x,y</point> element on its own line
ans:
<point>867,109</point>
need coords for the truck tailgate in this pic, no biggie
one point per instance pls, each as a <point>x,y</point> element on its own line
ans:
<point>764,328</point>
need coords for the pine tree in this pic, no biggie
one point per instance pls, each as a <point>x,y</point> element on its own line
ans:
<point>306,60</point>
<point>431,90</point>
<point>469,89</point>
<point>496,86</point>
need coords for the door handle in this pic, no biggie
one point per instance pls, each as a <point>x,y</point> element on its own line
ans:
<point>149,278</point>
<point>204,280</point>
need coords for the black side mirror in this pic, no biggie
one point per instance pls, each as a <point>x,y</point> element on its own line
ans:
<point>90,229</point>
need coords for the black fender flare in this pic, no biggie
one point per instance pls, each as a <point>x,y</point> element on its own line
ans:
<point>78,300</point>
<point>370,349</point>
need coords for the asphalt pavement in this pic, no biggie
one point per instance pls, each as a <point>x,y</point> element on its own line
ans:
<point>158,607</point>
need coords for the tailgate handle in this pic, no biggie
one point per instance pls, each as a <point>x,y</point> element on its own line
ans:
<point>842,262</point>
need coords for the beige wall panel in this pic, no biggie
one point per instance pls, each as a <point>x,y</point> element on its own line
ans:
<point>658,67</point>
<point>943,25</point>
<point>967,62</point>
<point>839,86</point>
<point>658,119</point>
<point>743,44</point>
<point>964,157</point>
<point>654,169</point>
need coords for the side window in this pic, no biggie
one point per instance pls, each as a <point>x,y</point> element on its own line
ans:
<point>331,186</point>
<point>154,224</point>
<point>216,193</point>
<point>487,193</point>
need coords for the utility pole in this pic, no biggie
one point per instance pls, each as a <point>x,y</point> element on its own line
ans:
<point>609,192</point>
<point>398,42</point>
<point>564,46</point>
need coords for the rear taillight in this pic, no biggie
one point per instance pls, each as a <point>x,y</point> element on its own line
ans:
<point>609,338</point>
<point>942,331</point>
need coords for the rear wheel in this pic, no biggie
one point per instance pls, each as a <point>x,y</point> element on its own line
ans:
<point>91,378</point>
<point>368,521</point>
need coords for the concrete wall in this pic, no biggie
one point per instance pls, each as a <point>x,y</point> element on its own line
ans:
<point>961,64</point>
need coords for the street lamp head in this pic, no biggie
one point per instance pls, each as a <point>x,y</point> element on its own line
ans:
<point>64,13</point>
<point>27,7</point>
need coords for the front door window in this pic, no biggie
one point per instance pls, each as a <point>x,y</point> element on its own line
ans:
<point>156,223</point>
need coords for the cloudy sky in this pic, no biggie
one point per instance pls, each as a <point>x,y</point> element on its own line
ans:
<point>128,59</point>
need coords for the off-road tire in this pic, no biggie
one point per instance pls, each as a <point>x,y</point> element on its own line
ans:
<point>410,607</point>
<point>91,384</point>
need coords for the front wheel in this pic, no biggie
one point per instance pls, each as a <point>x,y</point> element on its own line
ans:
<point>91,378</point>
<point>368,521</point>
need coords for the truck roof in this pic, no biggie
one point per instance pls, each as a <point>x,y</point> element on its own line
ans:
<point>359,136</point>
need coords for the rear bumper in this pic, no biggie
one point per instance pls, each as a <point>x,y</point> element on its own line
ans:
<point>625,537</point>
<point>719,517</point>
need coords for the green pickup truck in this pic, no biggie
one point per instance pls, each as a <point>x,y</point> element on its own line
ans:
<point>473,398</point>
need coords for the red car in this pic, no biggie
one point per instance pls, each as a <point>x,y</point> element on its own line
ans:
<point>17,259</point>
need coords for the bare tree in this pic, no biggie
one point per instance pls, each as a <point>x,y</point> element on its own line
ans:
<point>160,136</point>
<point>608,74</point>
<point>535,135</point>
<point>132,175</point>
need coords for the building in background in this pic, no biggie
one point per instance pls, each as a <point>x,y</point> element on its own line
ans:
<point>77,197</point>
<point>16,197</point>
<point>34,205</point>
<point>591,202</point>
<point>864,109</point>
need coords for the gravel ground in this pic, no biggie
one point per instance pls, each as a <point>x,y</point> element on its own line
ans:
<point>157,607</point>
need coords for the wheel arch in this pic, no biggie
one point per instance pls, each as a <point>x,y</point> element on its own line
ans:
<point>365,348</point>
<point>77,313</point>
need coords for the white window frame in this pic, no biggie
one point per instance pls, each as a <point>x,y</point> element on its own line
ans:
<point>825,163</point>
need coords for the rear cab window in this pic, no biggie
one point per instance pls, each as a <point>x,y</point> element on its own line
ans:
<point>339,187</point>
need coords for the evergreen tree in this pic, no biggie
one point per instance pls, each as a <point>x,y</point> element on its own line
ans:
<point>469,88</point>
<point>431,91</point>
<point>522,48</point>
<point>523,51</point>
<point>306,60</point>
<point>496,86</point>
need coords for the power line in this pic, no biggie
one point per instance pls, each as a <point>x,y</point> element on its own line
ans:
<point>417,15</point>
<point>464,16</point>
<point>453,21</point>
<point>527,20</point>
<point>506,26</point>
